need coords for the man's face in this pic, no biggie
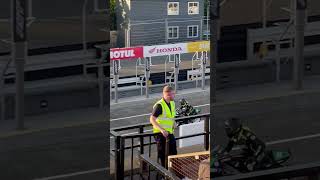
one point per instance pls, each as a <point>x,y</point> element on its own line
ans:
<point>168,95</point>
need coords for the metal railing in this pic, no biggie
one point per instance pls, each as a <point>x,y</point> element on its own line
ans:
<point>120,140</point>
<point>163,171</point>
<point>310,170</point>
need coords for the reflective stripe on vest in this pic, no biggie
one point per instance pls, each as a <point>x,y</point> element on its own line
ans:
<point>165,120</point>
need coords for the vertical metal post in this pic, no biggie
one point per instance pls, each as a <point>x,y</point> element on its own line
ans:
<point>293,10</point>
<point>264,13</point>
<point>2,97</point>
<point>96,5</point>
<point>101,82</point>
<point>141,139</point>
<point>19,54</point>
<point>299,44</point>
<point>176,71</point>
<point>147,75</point>
<point>201,29</point>
<point>122,157</point>
<point>30,8</point>
<point>214,28</point>
<point>203,64</point>
<point>208,5</point>
<point>166,31</point>
<point>149,156</point>
<point>278,64</point>
<point>118,174</point>
<point>131,167</point>
<point>128,35</point>
<point>116,77</point>
<point>84,26</point>
<point>206,130</point>
<point>166,153</point>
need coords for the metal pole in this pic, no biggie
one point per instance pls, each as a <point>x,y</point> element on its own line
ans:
<point>116,77</point>
<point>96,6</point>
<point>141,139</point>
<point>278,64</point>
<point>122,156</point>
<point>299,44</point>
<point>2,98</point>
<point>264,13</point>
<point>117,158</point>
<point>206,130</point>
<point>19,54</point>
<point>166,152</point>
<point>208,5</point>
<point>166,31</point>
<point>147,75</point>
<point>201,27</point>
<point>30,8</point>
<point>101,82</point>
<point>203,64</point>
<point>176,71</point>
<point>214,28</point>
<point>84,29</point>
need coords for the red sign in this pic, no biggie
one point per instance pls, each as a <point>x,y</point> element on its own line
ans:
<point>126,53</point>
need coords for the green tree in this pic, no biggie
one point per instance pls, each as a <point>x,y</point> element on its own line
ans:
<point>113,15</point>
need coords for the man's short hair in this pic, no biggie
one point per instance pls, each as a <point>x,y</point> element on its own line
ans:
<point>167,89</point>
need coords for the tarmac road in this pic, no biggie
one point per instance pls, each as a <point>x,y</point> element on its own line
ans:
<point>286,122</point>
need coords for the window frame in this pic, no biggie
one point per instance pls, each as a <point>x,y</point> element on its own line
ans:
<point>197,2</point>
<point>188,32</point>
<point>173,32</point>
<point>178,8</point>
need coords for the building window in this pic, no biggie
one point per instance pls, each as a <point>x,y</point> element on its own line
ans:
<point>193,31</point>
<point>173,8</point>
<point>193,7</point>
<point>173,32</point>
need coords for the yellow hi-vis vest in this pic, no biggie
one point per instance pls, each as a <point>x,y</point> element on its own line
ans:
<point>166,119</point>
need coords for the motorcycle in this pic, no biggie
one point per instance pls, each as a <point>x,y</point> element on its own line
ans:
<point>233,163</point>
<point>186,109</point>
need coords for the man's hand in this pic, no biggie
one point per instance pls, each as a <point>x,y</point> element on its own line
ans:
<point>164,133</point>
<point>155,124</point>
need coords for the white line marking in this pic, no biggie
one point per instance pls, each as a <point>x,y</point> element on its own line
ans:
<point>294,139</point>
<point>140,115</point>
<point>103,169</point>
<point>73,174</point>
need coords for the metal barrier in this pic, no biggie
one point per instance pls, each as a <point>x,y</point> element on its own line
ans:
<point>311,170</point>
<point>120,140</point>
<point>163,171</point>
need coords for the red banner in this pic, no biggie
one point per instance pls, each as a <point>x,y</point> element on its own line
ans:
<point>126,53</point>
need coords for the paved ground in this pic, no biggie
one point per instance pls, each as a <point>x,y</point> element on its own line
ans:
<point>75,141</point>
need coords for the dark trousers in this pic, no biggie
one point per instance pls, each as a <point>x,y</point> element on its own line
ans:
<point>161,146</point>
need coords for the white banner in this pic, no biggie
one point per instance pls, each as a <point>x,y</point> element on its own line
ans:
<point>163,50</point>
<point>190,129</point>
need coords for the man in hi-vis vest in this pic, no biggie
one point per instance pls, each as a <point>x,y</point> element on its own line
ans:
<point>162,119</point>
